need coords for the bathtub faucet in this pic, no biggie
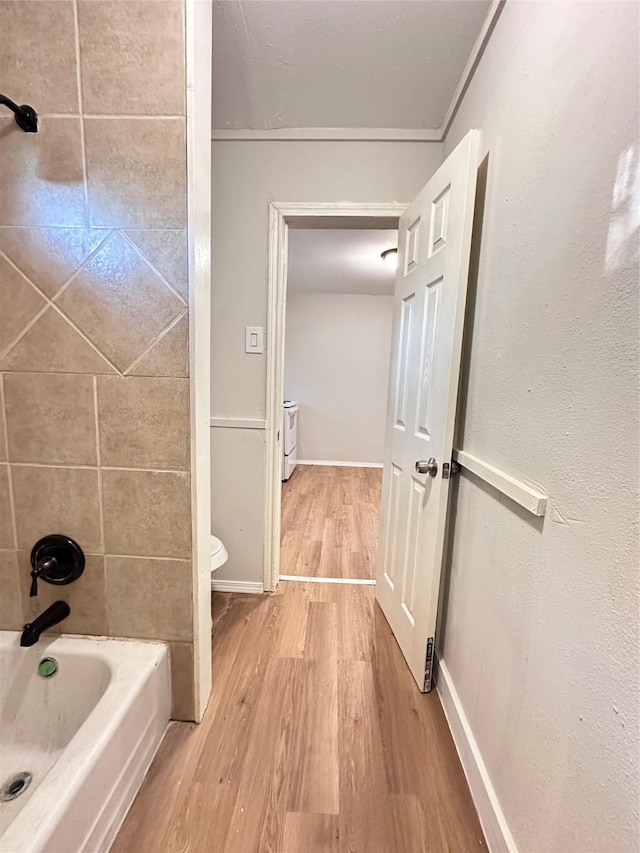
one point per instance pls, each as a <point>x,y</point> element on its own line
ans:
<point>58,611</point>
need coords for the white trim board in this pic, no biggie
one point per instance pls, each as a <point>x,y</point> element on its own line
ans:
<point>522,493</point>
<point>198,49</point>
<point>340,464</point>
<point>472,63</point>
<point>239,423</point>
<point>328,134</point>
<point>338,214</point>
<point>492,820</point>
<point>310,579</point>
<point>255,587</point>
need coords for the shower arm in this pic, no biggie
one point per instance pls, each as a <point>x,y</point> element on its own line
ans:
<point>26,116</point>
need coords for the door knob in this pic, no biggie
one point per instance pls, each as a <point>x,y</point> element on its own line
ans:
<point>429,467</point>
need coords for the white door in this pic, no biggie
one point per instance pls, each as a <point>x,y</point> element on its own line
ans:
<point>430,295</point>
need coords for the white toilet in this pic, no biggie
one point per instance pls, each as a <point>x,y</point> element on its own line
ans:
<point>219,554</point>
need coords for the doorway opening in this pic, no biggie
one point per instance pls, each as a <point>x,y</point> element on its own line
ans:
<point>325,516</point>
<point>337,353</point>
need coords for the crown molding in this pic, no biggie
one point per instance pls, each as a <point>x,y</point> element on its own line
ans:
<point>376,134</point>
<point>472,63</point>
<point>329,134</point>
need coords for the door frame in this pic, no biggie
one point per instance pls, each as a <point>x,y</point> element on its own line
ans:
<point>282,216</point>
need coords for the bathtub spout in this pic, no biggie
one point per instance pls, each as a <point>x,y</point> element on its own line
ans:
<point>58,611</point>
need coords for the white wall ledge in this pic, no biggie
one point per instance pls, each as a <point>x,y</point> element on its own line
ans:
<point>522,493</point>
<point>239,423</point>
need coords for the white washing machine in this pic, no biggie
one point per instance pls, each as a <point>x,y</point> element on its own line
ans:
<point>290,412</point>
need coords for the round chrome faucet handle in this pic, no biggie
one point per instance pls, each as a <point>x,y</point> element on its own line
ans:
<point>429,466</point>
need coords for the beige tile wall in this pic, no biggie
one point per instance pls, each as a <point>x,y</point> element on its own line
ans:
<point>94,389</point>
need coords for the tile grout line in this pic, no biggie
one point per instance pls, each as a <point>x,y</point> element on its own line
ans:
<point>84,337</point>
<point>84,228</point>
<point>119,556</point>
<point>138,251</point>
<point>10,370</point>
<point>82,266</point>
<point>50,300</point>
<point>83,144</point>
<point>101,508</point>
<point>147,470</point>
<point>14,343</point>
<point>153,343</point>
<point>34,320</point>
<point>143,557</point>
<point>49,303</point>
<point>117,116</point>
<point>12,506</point>
<point>78,467</point>
<point>98,459</point>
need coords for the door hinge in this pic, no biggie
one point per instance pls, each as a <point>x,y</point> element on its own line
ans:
<point>428,666</point>
<point>450,469</point>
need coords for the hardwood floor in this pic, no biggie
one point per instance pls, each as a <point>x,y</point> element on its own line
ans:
<point>330,520</point>
<point>315,739</point>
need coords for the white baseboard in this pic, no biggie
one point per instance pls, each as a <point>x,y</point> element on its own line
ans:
<point>256,587</point>
<point>341,464</point>
<point>494,825</point>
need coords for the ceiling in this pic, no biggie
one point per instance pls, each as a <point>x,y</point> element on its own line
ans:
<point>332,261</point>
<point>339,63</point>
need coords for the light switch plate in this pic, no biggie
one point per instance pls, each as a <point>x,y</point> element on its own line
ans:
<point>254,339</point>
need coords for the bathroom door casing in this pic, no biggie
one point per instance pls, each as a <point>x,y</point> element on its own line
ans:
<point>430,296</point>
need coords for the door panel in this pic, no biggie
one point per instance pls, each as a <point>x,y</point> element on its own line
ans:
<point>423,407</point>
<point>403,362</point>
<point>430,295</point>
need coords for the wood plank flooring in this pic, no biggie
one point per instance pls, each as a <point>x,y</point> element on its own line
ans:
<point>330,521</point>
<point>316,740</point>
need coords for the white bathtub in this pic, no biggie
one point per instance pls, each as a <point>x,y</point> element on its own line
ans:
<point>87,735</point>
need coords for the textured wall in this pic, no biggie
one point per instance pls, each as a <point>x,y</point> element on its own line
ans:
<point>337,356</point>
<point>94,414</point>
<point>541,634</point>
<point>246,176</point>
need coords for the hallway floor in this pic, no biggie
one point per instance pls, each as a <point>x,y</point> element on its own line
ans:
<point>330,521</point>
<point>316,738</point>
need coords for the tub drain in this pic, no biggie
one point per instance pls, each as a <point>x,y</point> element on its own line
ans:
<point>47,667</point>
<point>15,785</point>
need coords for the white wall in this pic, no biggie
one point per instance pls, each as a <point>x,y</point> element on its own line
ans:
<point>246,176</point>
<point>541,632</point>
<point>337,353</point>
